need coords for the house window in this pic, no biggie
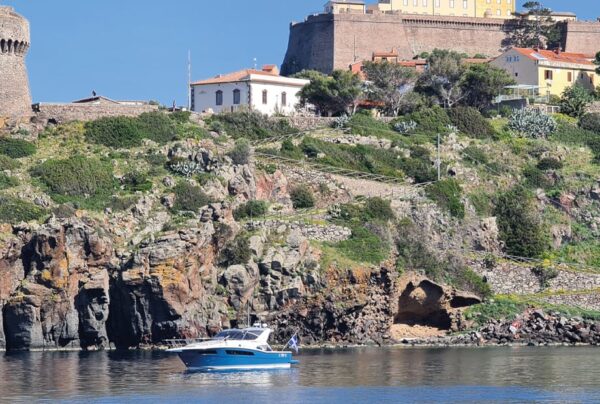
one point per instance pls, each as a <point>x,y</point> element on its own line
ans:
<point>569,77</point>
<point>451,3</point>
<point>548,74</point>
<point>424,3</point>
<point>265,97</point>
<point>437,3</point>
<point>499,12</point>
<point>465,4</point>
<point>516,74</point>
<point>284,99</point>
<point>406,2</point>
<point>219,100</point>
<point>236,97</point>
<point>192,99</point>
<point>415,3</point>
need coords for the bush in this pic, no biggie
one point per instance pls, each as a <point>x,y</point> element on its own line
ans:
<point>470,121</point>
<point>180,116</point>
<point>446,194</point>
<point>574,100</point>
<point>240,154</point>
<point>137,181</point>
<point>429,120</point>
<point>157,127</point>
<point>189,198</point>
<point>251,125</point>
<point>571,134</point>
<point>519,224</point>
<point>76,178</point>
<point>378,208</point>
<point>549,163</point>
<point>236,252</point>
<point>7,182</point>
<point>14,211</point>
<point>7,163</point>
<point>532,123</point>
<point>116,132</point>
<point>250,209</point>
<point>364,246</point>
<point>545,275</point>
<point>363,123</point>
<point>536,178</point>
<point>475,155</point>
<point>590,122</point>
<point>302,197</point>
<point>16,148</point>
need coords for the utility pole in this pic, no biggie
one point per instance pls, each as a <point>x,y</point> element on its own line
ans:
<point>189,89</point>
<point>439,159</point>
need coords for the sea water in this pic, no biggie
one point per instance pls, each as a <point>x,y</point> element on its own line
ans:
<point>394,375</point>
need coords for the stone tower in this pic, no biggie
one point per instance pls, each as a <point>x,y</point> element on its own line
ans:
<point>15,99</point>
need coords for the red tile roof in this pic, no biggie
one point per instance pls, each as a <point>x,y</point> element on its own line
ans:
<point>553,56</point>
<point>234,77</point>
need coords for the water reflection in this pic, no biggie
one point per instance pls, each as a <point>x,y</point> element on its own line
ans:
<point>111,376</point>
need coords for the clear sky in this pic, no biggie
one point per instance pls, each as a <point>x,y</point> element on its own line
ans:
<point>137,49</point>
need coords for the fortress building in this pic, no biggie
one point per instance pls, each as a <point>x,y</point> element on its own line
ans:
<point>463,8</point>
<point>335,40</point>
<point>15,99</point>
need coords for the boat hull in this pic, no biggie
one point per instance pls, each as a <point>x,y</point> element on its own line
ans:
<point>235,359</point>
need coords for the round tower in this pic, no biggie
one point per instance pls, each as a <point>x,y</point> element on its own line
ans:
<point>15,99</point>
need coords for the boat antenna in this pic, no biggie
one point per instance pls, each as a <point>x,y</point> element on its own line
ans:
<point>249,313</point>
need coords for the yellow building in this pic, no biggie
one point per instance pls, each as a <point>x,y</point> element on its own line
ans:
<point>550,71</point>
<point>345,6</point>
<point>460,8</point>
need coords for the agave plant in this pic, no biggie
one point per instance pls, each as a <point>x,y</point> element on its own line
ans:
<point>532,123</point>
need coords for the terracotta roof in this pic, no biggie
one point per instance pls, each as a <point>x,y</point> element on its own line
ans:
<point>552,56</point>
<point>475,61</point>
<point>242,75</point>
<point>385,54</point>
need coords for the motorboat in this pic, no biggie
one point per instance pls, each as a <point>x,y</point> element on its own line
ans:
<point>236,349</point>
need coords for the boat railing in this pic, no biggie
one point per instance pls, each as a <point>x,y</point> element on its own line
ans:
<point>181,342</point>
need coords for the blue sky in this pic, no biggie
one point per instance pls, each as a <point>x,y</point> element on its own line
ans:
<point>137,49</point>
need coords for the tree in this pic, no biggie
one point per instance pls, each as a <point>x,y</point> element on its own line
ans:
<point>541,31</point>
<point>574,100</point>
<point>519,225</point>
<point>444,78</point>
<point>597,62</point>
<point>337,94</point>
<point>389,83</point>
<point>483,83</point>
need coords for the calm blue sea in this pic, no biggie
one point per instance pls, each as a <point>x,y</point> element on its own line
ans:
<point>387,375</point>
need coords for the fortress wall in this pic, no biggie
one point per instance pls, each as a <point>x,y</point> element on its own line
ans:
<point>411,35</point>
<point>61,113</point>
<point>582,37</point>
<point>310,45</point>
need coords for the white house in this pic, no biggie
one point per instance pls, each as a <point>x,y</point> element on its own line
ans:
<point>263,90</point>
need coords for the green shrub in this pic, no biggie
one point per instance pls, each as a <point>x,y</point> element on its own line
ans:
<point>470,122</point>
<point>590,122</point>
<point>240,154</point>
<point>536,178</point>
<point>122,203</point>
<point>251,125</point>
<point>575,99</point>
<point>519,224</point>
<point>156,126</point>
<point>482,203</point>
<point>236,252</point>
<point>544,275</point>
<point>7,163</point>
<point>466,279</point>
<point>250,209</point>
<point>363,123</point>
<point>447,194</point>
<point>364,246</point>
<point>429,120</point>
<point>378,208</point>
<point>180,116</point>
<point>549,163</point>
<point>116,132</point>
<point>136,181</point>
<point>189,198</point>
<point>14,211</point>
<point>7,182</point>
<point>77,178</point>
<point>475,155</point>
<point>302,197</point>
<point>16,148</point>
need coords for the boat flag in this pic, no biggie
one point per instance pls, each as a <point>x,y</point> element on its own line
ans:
<point>293,343</point>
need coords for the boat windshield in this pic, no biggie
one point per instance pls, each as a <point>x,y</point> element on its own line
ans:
<point>238,335</point>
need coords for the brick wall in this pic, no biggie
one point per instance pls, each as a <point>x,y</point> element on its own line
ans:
<point>61,113</point>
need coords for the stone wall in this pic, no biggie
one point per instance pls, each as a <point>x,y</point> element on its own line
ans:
<point>61,113</point>
<point>582,37</point>
<point>309,122</point>
<point>15,99</point>
<point>329,233</point>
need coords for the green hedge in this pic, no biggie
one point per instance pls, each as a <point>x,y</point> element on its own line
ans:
<point>79,179</point>
<point>157,127</point>
<point>16,148</point>
<point>117,132</point>
<point>14,211</point>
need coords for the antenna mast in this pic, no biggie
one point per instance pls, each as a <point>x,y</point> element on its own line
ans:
<point>189,87</point>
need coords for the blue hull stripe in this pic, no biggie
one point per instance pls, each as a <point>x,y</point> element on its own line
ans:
<point>243,358</point>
